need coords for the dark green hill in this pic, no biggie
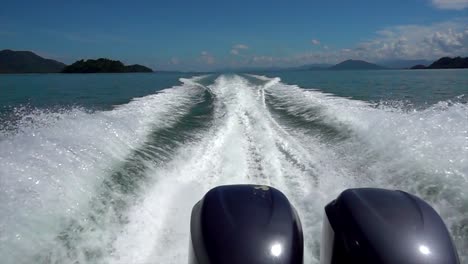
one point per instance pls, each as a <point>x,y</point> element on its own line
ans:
<point>450,63</point>
<point>356,65</point>
<point>446,63</point>
<point>137,68</point>
<point>418,67</point>
<point>103,66</point>
<point>27,62</point>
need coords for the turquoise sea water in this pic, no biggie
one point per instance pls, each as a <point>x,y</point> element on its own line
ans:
<point>105,168</point>
<point>101,91</point>
<point>417,87</point>
<point>96,91</point>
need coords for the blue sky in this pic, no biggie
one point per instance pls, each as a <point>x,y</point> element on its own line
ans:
<point>204,35</point>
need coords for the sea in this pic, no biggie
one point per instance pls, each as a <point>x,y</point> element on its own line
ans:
<point>105,168</point>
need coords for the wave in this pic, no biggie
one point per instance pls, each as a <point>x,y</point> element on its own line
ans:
<point>421,151</point>
<point>52,166</point>
<point>128,178</point>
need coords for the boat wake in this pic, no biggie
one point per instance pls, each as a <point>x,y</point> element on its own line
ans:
<point>118,186</point>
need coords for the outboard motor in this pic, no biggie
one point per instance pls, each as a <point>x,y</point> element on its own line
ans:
<point>382,226</point>
<point>245,224</point>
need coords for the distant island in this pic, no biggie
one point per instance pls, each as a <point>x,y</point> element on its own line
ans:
<point>27,62</point>
<point>103,66</point>
<point>356,65</point>
<point>342,66</point>
<point>419,67</point>
<point>446,63</point>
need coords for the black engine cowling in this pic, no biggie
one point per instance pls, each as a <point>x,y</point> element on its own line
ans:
<point>243,224</point>
<point>370,225</point>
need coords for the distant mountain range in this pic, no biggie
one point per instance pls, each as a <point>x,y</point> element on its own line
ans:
<point>402,64</point>
<point>305,67</point>
<point>27,62</point>
<point>356,65</point>
<point>443,63</point>
<point>315,66</point>
<point>446,63</point>
<point>345,65</point>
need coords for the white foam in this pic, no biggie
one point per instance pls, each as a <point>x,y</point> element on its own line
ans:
<point>246,143</point>
<point>243,146</point>
<point>49,170</point>
<point>421,151</point>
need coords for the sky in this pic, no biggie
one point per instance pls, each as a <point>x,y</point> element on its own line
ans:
<point>209,35</point>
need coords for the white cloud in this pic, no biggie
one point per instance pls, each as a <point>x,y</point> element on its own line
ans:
<point>207,58</point>
<point>316,42</point>
<point>416,41</point>
<point>406,42</point>
<point>450,4</point>
<point>236,49</point>
<point>240,46</point>
<point>263,59</point>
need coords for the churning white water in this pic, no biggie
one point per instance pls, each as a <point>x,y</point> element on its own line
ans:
<point>118,186</point>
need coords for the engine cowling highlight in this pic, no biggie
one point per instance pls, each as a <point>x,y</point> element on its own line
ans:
<point>246,224</point>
